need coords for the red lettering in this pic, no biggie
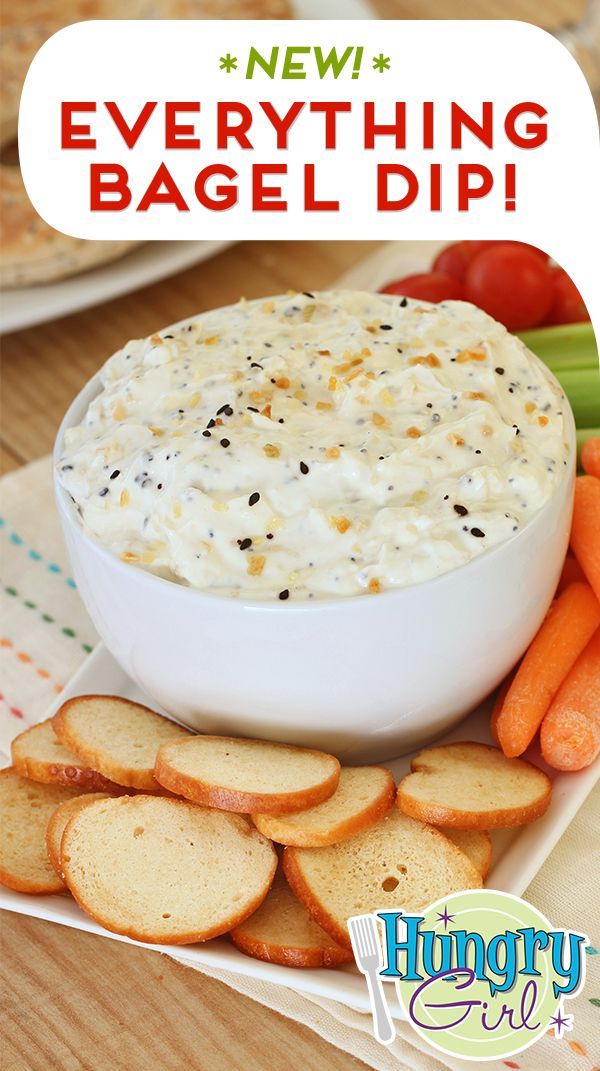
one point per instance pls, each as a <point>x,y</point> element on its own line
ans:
<point>384,202</point>
<point>310,202</point>
<point>267,198</point>
<point>227,130</point>
<point>130,135</point>
<point>535,133</point>
<point>226,196</point>
<point>178,135</point>
<point>428,128</point>
<point>436,188</point>
<point>467,192</point>
<point>483,131</point>
<point>100,185</point>
<point>71,135</point>
<point>330,109</point>
<point>170,195</point>
<point>281,125</point>
<point>396,130</point>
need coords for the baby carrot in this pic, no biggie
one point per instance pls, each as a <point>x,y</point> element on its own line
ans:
<point>570,735</point>
<point>571,571</point>
<point>585,532</point>
<point>499,703</point>
<point>590,456</point>
<point>569,625</point>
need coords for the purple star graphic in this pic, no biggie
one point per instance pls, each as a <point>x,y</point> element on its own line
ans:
<point>561,1023</point>
<point>445,917</point>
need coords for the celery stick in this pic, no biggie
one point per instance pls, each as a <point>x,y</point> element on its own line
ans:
<point>568,346</point>
<point>582,388</point>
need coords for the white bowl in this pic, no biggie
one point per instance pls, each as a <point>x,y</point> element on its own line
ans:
<point>366,677</point>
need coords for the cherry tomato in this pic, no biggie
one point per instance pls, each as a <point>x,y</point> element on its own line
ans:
<point>480,247</point>
<point>431,286</point>
<point>454,260</point>
<point>568,306</point>
<point>512,284</point>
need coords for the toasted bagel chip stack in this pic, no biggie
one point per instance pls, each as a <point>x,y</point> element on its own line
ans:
<point>25,810</point>
<point>117,737</point>
<point>363,795</point>
<point>165,871</point>
<point>58,823</point>
<point>473,786</point>
<point>399,861</point>
<point>40,755</point>
<point>476,843</point>
<point>282,931</point>
<point>247,776</point>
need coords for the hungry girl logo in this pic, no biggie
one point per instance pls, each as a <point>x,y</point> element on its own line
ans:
<point>480,975</point>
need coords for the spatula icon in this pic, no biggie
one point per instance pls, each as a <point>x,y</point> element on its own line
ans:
<point>367,953</point>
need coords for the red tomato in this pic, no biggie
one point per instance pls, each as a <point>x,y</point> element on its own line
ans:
<point>512,284</point>
<point>431,286</point>
<point>568,306</point>
<point>480,247</point>
<point>454,260</point>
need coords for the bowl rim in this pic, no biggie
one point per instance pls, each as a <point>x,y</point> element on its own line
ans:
<point>94,386</point>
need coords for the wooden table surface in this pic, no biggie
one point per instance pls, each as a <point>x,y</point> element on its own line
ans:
<point>71,1000</point>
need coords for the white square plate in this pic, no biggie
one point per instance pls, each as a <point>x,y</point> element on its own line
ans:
<point>518,855</point>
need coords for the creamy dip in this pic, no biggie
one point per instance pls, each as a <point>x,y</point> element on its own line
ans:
<point>316,445</point>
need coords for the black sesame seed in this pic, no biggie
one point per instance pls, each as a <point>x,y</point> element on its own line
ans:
<point>446,497</point>
<point>206,434</point>
<point>66,468</point>
<point>168,336</point>
<point>499,371</point>
<point>114,474</point>
<point>307,293</point>
<point>385,327</point>
<point>404,303</point>
<point>477,533</point>
<point>254,497</point>
<point>252,408</point>
<point>159,486</point>
<point>245,544</point>
<point>304,468</point>
<point>225,443</point>
<point>225,409</point>
<point>284,594</point>
<point>211,423</point>
<point>461,510</point>
<point>103,492</point>
<point>269,535</point>
<point>255,364</point>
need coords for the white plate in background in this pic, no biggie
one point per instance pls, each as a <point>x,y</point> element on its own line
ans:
<point>152,261</point>
<point>518,855</point>
<point>32,305</point>
<point>333,9</point>
<point>393,260</point>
